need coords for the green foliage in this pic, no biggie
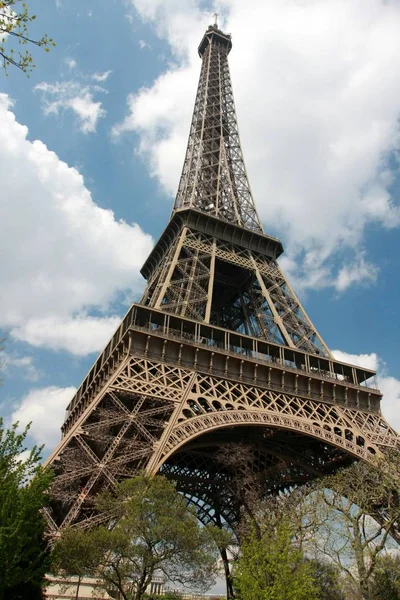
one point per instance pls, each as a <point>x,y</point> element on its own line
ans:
<point>271,567</point>
<point>327,576</point>
<point>24,556</point>
<point>74,555</point>
<point>370,486</point>
<point>151,529</point>
<point>386,583</point>
<point>357,508</point>
<point>15,20</point>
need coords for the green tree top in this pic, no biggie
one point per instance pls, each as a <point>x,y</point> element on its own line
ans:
<point>15,20</point>
<point>356,511</point>
<point>272,567</point>
<point>23,493</point>
<point>386,582</point>
<point>150,529</point>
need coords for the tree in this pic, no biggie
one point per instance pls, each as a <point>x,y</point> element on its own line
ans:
<point>24,556</point>
<point>386,582</point>
<point>250,481</point>
<point>227,544</point>
<point>73,554</point>
<point>151,528</point>
<point>15,20</point>
<point>272,567</point>
<point>357,508</point>
<point>249,488</point>
<point>328,577</point>
<point>246,485</point>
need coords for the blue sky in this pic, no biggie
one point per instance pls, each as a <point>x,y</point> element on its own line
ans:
<point>92,144</point>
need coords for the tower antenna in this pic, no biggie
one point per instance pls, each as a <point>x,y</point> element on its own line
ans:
<point>216,19</point>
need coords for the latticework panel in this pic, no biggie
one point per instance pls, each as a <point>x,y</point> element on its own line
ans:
<point>261,462</point>
<point>115,436</point>
<point>218,403</point>
<point>214,178</point>
<point>205,279</point>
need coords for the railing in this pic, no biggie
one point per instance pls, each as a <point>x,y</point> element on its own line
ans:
<point>182,329</point>
<point>203,334</point>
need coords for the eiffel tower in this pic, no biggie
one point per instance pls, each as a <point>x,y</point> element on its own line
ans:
<point>218,351</point>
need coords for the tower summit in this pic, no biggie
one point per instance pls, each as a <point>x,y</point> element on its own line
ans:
<point>218,351</point>
<point>214,178</point>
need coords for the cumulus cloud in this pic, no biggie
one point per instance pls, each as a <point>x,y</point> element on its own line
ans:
<point>79,335</point>
<point>358,271</point>
<point>71,95</point>
<point>368,361</point>
<point>389,386</point>
<point>45,408</point>
<point>318,102</point>
<point>62,255</point>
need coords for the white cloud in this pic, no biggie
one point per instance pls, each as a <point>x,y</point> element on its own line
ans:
<point>71,95</point>
<point>100,77</point>
<point>71,63</point>
<point>23,365</point>
<point>61,253</point>
<point>45,408</point>
<point>357,272</point>
<point>5,21</point>
<point>318,102</point>
<point>368,361</point>
<point>24,455</point>
<point>143,44</point>
<point>79,335</point>
<point>389,386</point>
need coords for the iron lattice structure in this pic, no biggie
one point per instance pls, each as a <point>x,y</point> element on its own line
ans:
<point>218,351</point>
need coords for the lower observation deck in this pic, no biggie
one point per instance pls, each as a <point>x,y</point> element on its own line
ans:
<point>209,349</point>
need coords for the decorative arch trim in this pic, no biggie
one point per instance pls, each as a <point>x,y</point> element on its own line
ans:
<point>192,428</point>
